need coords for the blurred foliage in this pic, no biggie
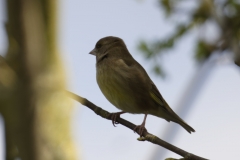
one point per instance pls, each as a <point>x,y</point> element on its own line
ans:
<point>224,15</point>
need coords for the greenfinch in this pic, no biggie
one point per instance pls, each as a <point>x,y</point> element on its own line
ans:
<point>126,84</point>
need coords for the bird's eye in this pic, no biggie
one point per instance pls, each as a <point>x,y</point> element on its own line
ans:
<point>98,46</point>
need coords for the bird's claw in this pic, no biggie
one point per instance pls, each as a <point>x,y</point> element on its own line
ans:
<point>114,117</point>
<point>140,129</point>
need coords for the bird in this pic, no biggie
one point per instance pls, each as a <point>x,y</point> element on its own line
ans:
<point>126,84</point>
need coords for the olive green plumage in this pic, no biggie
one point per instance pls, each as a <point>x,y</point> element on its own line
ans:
<point>126,84</point>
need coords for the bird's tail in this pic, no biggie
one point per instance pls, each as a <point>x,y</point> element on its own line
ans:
<point>175,118</point>
<point>185,125</point>
<point>170,115</point>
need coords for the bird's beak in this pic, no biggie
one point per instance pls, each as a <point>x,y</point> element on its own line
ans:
<point>93,52</point>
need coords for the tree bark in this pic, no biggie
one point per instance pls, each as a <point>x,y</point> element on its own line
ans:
<point>32,101</point>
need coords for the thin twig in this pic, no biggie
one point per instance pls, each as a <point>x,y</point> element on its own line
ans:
<point>145,136</point>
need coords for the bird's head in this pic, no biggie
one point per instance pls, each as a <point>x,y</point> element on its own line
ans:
<point>110,47</point>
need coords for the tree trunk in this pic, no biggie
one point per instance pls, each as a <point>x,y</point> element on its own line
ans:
<point>36,111</point>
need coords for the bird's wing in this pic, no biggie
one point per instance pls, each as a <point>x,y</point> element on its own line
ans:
<point>157,97</point>
<point>140,74</point>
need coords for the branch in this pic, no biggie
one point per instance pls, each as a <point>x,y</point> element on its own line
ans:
<point>146,136</point>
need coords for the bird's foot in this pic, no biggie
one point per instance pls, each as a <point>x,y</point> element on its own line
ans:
<point>114,117</point>
<point>140,129</point>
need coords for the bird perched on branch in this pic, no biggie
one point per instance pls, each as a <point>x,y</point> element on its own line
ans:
<point>126,84</point>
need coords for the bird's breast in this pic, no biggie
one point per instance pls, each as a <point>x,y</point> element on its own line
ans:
<point>114,84</point>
